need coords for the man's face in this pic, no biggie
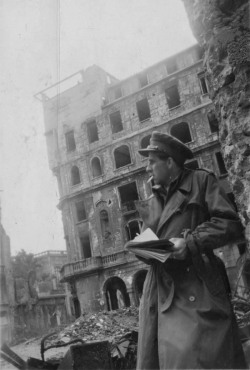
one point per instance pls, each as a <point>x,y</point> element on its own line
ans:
<point>159,169</point>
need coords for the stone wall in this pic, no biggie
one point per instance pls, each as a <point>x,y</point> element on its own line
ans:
<point>222,28</point>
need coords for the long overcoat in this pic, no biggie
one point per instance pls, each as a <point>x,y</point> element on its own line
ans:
<point>186,319</point>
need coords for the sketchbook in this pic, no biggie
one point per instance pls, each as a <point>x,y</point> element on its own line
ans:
<point>148,245</point>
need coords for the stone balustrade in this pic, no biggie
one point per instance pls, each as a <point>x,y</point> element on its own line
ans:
<point>93,263</point>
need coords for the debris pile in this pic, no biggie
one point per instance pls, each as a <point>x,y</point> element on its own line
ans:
<point>104,325</point>
<point>242,311</point>
<point>119,328</point>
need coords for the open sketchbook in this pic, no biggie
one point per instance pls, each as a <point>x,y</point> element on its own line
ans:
<point>148,245</point>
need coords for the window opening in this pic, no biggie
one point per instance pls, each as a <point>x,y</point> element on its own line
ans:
<point>143,79</point>
<point>182,132</point>
<point>171,65</point>
<point>203,83</point>
<point>221,163</point>
<point>145,141</point>
<point>143,109</point>
<point>105,227</point>
<point>96,167</point>
<point>116,294</point>
<point>77,307</point>
<point>213,122</point>
<point>70,141</point>
<point>128,194</point>
<point>118,92</point>
<point>116,122</point>
<point>133,228</point>
<point>192,165</point>
<point>173,97</point>
<point>75,175</point>
<point>80,211</point>
<point>85,245</point>
<point>122,156</point>
<point>92,132</point>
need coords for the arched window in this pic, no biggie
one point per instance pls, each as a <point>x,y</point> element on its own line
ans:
<point>145,141</point>
<point>116,294</point>
<point>75,175</point>
<point>104,219</point>
<point>181,131</point>
<point>122,156</point>
<point>92,131</point>
<point>133,228</point>
<point>96,167</point>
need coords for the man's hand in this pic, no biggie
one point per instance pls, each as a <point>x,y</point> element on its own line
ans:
<point>180,250</point>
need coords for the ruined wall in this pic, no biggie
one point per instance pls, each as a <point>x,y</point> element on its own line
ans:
<point>47,314</point>
<point>222,28</point>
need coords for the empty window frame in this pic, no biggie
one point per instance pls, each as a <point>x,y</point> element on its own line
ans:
<point>92,131</point>
<point>116,122</point>
<point>128,194</point>
<point>203,83</point>
<point>105,226</point>
<point>122,156</point>
<point>143,109</point>
<point>70,141</point>
<point>172,96</point>
<point>171,65</point>
<point>213,122</point>
<point>85,246</point>
<point>80,211</point>
<point>117,92</point>
<point>145,141</point>
<point>75,175</point>
<point>96,167</point>
<point>221,163</point>
<point>143,79</point>
<point>182,132</point>
<point>133,228</point>
<point>192,165</point>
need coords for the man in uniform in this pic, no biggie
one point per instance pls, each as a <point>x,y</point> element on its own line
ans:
<point>186,318</point>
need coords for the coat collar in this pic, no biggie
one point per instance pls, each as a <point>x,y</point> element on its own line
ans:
<point>183,182</point>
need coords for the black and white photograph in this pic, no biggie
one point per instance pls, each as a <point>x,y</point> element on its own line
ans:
<point>124,184</point>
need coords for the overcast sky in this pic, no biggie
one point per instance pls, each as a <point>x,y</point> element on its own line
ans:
<point>41,42</point>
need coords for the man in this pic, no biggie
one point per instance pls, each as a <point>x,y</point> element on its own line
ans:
<point>186,319</point>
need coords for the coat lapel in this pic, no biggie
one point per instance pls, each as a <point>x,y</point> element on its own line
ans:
<point>176,201</point>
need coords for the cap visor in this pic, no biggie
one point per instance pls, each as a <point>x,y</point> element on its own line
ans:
<point>144,152</point>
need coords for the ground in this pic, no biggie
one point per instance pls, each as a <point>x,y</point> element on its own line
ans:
<point>31,348</point>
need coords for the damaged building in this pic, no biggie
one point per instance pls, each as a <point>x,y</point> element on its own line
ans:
<point>94,126</point>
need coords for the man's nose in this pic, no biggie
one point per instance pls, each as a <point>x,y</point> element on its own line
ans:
<point>148,168</point>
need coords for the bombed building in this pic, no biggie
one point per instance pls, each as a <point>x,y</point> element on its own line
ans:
<point>94,126</point>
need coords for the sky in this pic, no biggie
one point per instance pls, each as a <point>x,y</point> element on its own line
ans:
<point>42,42</point>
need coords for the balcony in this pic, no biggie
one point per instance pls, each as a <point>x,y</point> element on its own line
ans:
<point>82,267</point>
<point>76,268</point>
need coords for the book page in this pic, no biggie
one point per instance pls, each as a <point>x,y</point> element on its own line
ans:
<point>145,236</point>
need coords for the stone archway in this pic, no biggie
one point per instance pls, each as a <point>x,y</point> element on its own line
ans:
<point>115,292</point>
<point>138,282</point>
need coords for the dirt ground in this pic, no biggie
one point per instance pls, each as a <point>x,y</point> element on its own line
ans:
<point>31,348</point>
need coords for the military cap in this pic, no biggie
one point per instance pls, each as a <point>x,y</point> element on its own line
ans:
<point>169,145</point>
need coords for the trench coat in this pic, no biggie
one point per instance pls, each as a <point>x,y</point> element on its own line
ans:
<point>185,319</point>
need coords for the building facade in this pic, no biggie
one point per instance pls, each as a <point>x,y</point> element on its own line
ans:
<point>93,131</point>
<point>7,296</point>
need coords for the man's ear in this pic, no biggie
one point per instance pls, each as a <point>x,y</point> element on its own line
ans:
<point>170,162</point>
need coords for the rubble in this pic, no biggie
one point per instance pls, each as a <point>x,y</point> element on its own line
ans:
<point>104,325</point>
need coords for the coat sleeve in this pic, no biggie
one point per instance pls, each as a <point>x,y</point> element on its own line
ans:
<point>222,226</point>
